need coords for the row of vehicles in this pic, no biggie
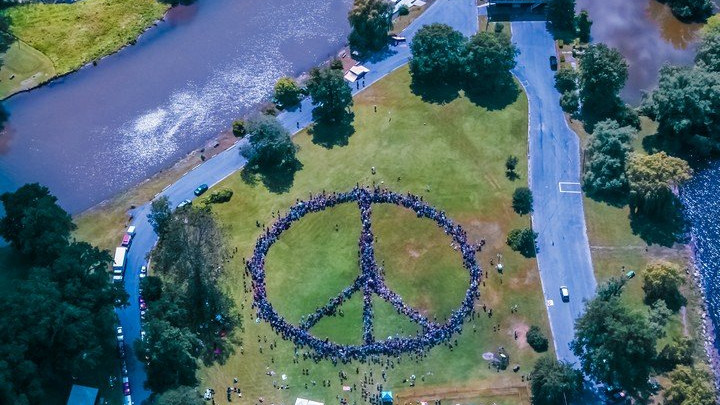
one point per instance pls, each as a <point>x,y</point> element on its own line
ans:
<point>120,257</point>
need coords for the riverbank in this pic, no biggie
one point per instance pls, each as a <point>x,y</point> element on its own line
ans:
<point>69,36</point>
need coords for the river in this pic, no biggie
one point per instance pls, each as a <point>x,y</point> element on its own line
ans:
<point>94,133</point>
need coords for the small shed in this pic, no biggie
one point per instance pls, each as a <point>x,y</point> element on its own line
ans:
<point>82,395</point>
<point>386,397</point>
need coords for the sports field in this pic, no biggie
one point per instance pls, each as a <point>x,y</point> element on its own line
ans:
<point>454,156</point>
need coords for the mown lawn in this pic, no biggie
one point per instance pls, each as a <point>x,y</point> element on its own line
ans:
<point>71,35</point>
<point>23,67</point>
<point>454,156</point>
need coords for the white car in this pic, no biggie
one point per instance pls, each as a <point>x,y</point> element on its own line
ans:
<point>564,294</point>
<point>143,272</point>
<point>120,336</point>
<point>142,335</point>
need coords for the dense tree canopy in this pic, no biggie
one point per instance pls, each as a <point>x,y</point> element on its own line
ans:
<point>330,94</point>
<point>488,59</point>
<point>566,79</point>
<point>437,53</point>
<point>523,241</point>
<point>287,92</point>
<point>690,10</point>
<point>678,352</point>
<point>652,179</point>
<point>34,224</point>
<point>561,15</point>
<point>180,396</point>
<point>522,200</point>
<point>536,339</point>
<point>160,214</point>
<point>690,386</point>
<point>603,72</point>
<point>583,26</point>
<point>607,154</point>
<point>685,106</point>
<point>370,21</point>
<point>615,345</point>
<point>554,382</point>
<point>269,144</point>
<point>708,53</point>
<point>662,281</point>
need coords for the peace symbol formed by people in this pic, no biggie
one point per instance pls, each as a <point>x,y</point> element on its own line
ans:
<point>370,280</point>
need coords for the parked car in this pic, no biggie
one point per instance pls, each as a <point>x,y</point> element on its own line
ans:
<point>142,335</point>
<point>143,272</point>
<point>123,368</point>
<point>119,334</point>
<point>553,63</point>
<point>630,274</point>
<point>143,305</point>
<point>201,189</point>
<point>121,350</point>
<point>127,400</point>
<point>564,294</point>
<point>131,231</point>
<point>126,386</point>
<point>184,203</point>
<point>126,240</point>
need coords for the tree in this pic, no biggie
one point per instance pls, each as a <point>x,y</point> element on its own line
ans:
<point>180,396</point>
<point>169,353</point>
<point>662,281</point>
<point>566,79</point>
<point>522,200</point>
<point>570,102</point>
<point>652,179</point>
<point>685,104</point>
<point>510,166</point>
<point>437,54</point>
<point>269,145</point>
<point>370,21</point>
<point>536,339</point>
<point>331,96</point>
<point>238,128</point>
<point>561,16</point>
<point>34,224</point>
<point>603,72</point>
<point>554,382</point>
<point>616,346</point>
<point>690,386</point>
<point>160,214</point>
<point>607,155</point>
<point>708,53</point>
<point>523,241</point>
<point>678,352</point>
<point>691,10</point>
<point>583,26</point>
<point>287,92</point>
<point>151,288</point>
<point>658,317</point>
<point>403,10</point>
<point>488,59</point>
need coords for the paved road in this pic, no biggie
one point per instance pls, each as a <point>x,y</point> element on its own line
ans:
<point>554,158</point>
<point>460,14</point>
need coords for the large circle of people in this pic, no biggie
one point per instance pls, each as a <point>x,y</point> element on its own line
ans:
<point>370,280</point>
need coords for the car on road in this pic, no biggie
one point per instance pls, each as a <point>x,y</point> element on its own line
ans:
<point>564,294</point>
<point>142,335</point>
<point>127,400</point>
<point>200,190</point>
<point>123,368</point>
<point>143,272</point>
<point>553,63</point>
<point>121,350</point>
<point>119,334</point>
<point>184,203</point>
<point>126,386</point>
<point>142,303</point>
<point>126,240</point>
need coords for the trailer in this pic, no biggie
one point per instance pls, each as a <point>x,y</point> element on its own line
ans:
<point>119,263</point>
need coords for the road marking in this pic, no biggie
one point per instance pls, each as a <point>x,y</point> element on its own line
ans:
<point>569,187</point>
<point>549,303</point>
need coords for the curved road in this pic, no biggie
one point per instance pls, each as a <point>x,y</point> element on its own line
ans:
<point>460,14</point>
<point>554,169</point>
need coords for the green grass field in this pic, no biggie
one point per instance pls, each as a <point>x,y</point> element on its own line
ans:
<point>23,67</point>
<point>453,155</point>
<point>71,35</point>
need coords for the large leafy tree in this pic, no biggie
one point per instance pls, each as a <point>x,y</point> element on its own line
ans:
<point>561,16</point>
<point>437,54</point>
<point>566,79</point>
<point>269,145</point>
<point>522,240</point>
<point>607,155</point>
<point>287,92</point>
<point>554,382</point>
<point>160,214</point>
<point>691,10</point>
<point>34,224</point>
<point>331,96</point>
<point>370,21</point>
<point>522,200</point>
<point>685,105</point>
<point>652,179</point>
<point>603,72</point>
<point>662,281</point>
<point>180,396</point>
<point>690,386</point>
<point>708,53</point>
<point>583,26</point>
<point>615,345</point>
<point>488,59</point>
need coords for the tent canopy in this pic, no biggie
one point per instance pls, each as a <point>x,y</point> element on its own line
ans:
<point>386,396</point>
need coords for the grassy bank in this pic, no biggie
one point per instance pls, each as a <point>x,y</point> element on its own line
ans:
<point>71,35</point>
<point>453,155</point>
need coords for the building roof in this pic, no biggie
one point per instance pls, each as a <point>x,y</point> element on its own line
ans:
<point>81,395</point>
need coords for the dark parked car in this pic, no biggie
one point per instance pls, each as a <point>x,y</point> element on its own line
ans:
<point>553,63</point>
<point>201,189</point>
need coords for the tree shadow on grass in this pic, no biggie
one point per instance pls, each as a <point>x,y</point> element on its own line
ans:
<point>496,96</point>
<point>662,230</point>
<point>329,135</point>
<point>277,180</point>
<point>617,200</point>
<point>436,93</point>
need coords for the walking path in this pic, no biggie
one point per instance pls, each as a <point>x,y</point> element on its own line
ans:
<point>460,14</point>
<point>563,252</point>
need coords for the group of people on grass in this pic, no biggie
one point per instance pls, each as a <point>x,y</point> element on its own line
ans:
<point>370,280</point>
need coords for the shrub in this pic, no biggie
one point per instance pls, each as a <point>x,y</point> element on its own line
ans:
<point>523,241</point>
<point>570,102</point>
<point>522,201</point>
<point>239,129</point>
<point>403,10</point>
<point>287,92</point>
<point>536,339</point>
<point>220,196</point>
<point>499,27</point>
